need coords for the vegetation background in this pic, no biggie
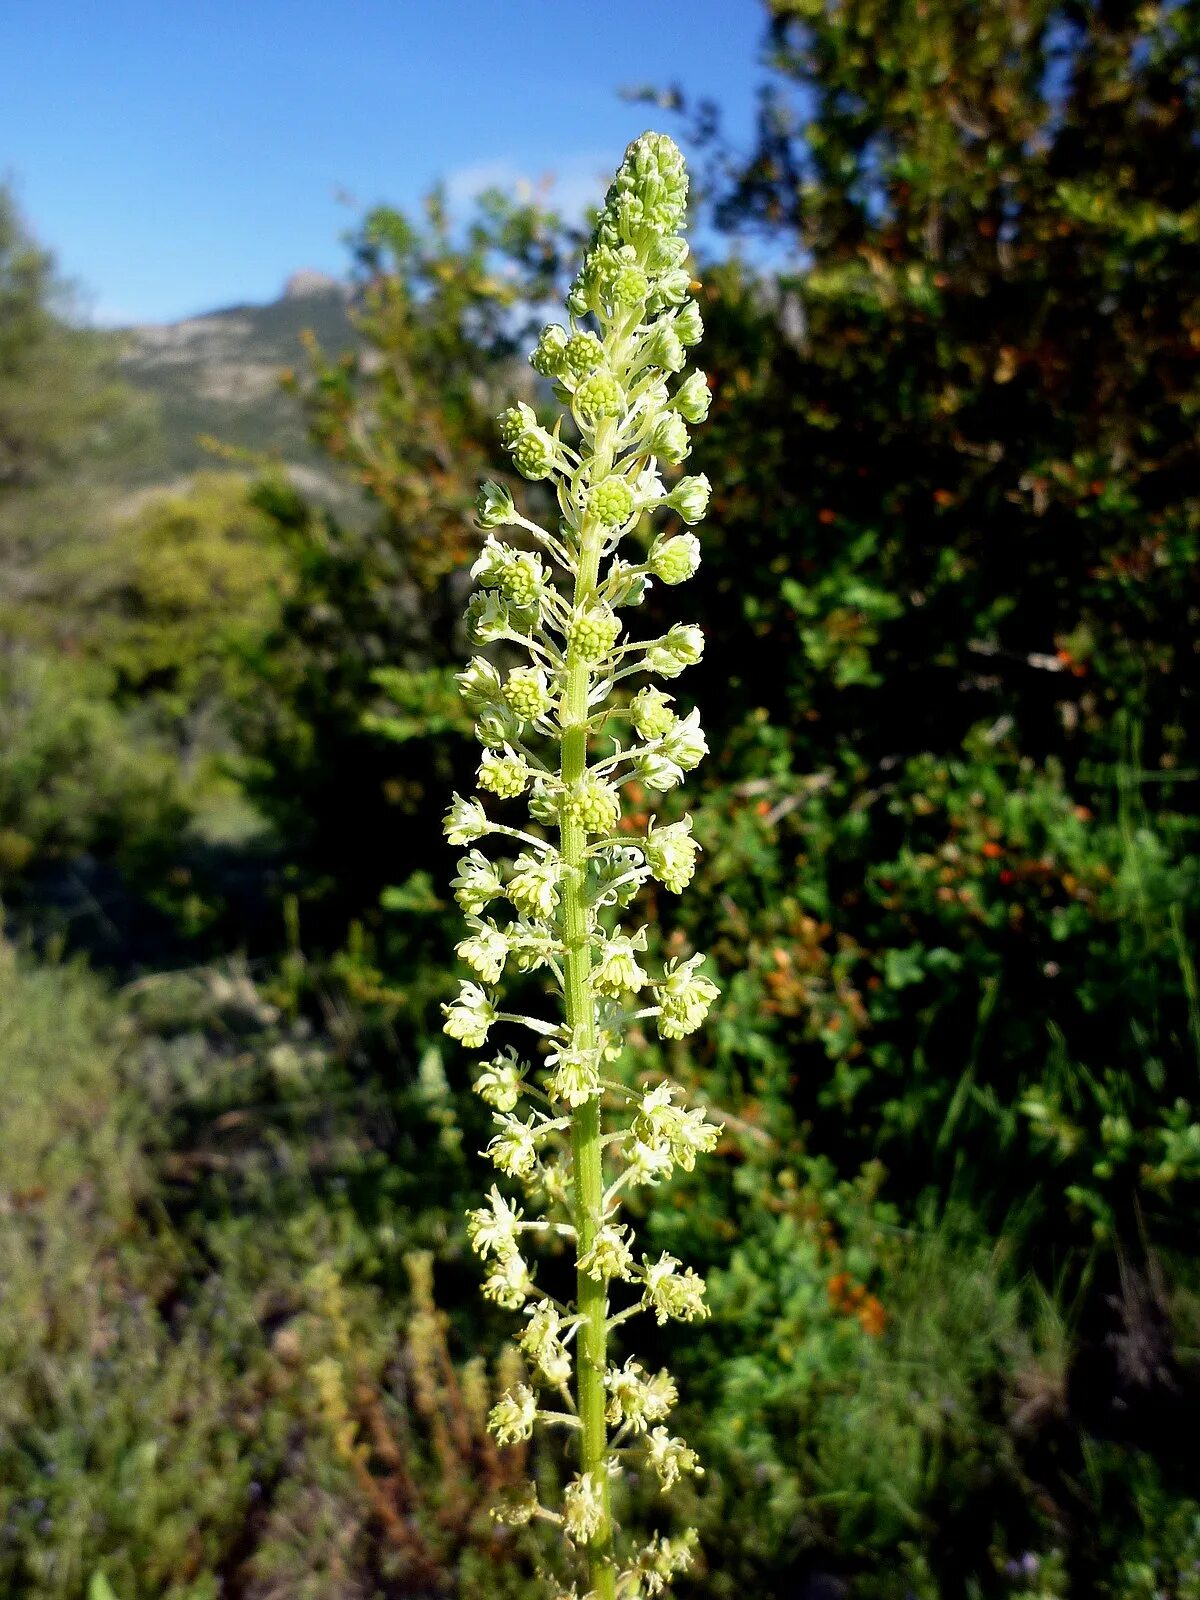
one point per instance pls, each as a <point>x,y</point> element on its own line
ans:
<point>950,873</point>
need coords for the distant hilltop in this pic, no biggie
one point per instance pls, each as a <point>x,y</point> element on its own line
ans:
<point>306,283</point>
<point>217,375</point>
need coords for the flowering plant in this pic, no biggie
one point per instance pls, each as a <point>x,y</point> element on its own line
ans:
<point>561,730</point>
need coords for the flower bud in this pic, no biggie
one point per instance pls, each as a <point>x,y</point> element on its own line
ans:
<point>610,502</point>
<point>582,354</point>
<point>675,560</point>
<point>599,396</point>
<point>669,438</point>
<point>683,647</point>
<point>592,633</point>
<point>505,776</point>
<point>684,743</point>
<point>651,713</point>
<point>671,854</point>
<point>534,454</point>
<point>667,253</point>
<point>593,804</point>
<point>689,324</point>
<point>674,286</point>
<point>527,694</point>
<point>494,506</point>
<point>693,397</point>
<point>478,683</point>
<point>690,497</point>
<point>549,356</point>
<point>664,349</point>
<point>514,422</point>
<point>629,286</point>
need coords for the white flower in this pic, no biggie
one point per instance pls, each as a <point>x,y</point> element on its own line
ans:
<point>484,951</point>
<point>685,996</point>
<point>684,742</point>
<point>617,970</point>
<point>492,1229</point>
<point>469,1018</point>
<point>501,1081</point>
<point>513,1415</point>
<point>534,885</point>
<point>661,1124</point>
<point>477,883</point>
<point>575,1069</point>
<point>670,1458</point>
<point>505,775</point>
<point>671,854</point>
<point>671,1293</point>
<point>514,1148</point>
<point>609,1255</point>
<point>651,713</point>
<point>508,1283</point>
<point>465,821</point>
<point>583,1507</point>
<point>637,1399</point>
<point>675,560</point>
<point>543,1343</point>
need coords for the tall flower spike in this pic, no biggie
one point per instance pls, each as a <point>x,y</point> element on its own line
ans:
<point>562,730</point>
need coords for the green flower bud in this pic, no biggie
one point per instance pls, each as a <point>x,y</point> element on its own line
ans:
<point>582,354</point>
<point>514,422</point>
<point>599,396</point>
<point>689,324</point>
<point>594,805</point>
<point>527,693</point>
<point>629,286</point>
<point>693,397</point>
<point>497,726</point>
<point>664,349</point>
<point>610,502</point>
<point>505,776</point>
<point>675,560</point>
<point>626,587</point>
<point>592,633</point>
<point>674,286</point>
<point>522,579</point>
<point>684,742</point>
<point>669,438</point>
<point>651,713</point>
<point>478,684</point>
<point>534,454</point>
<point>683,647</point>
<point>690,497</point>
<point>549,356</point>
<point>494,506</point>
<point>671,854</point>
<point>666,254</point>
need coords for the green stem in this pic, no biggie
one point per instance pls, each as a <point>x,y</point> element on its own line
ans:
<point>591,1360</point>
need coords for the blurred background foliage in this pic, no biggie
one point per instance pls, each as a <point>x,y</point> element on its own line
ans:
<point>950,873</point>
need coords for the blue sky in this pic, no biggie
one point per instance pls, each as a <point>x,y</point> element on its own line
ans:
<point>179,155</point>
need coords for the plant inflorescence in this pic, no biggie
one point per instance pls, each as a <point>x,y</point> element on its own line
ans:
<point>565,725</point>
